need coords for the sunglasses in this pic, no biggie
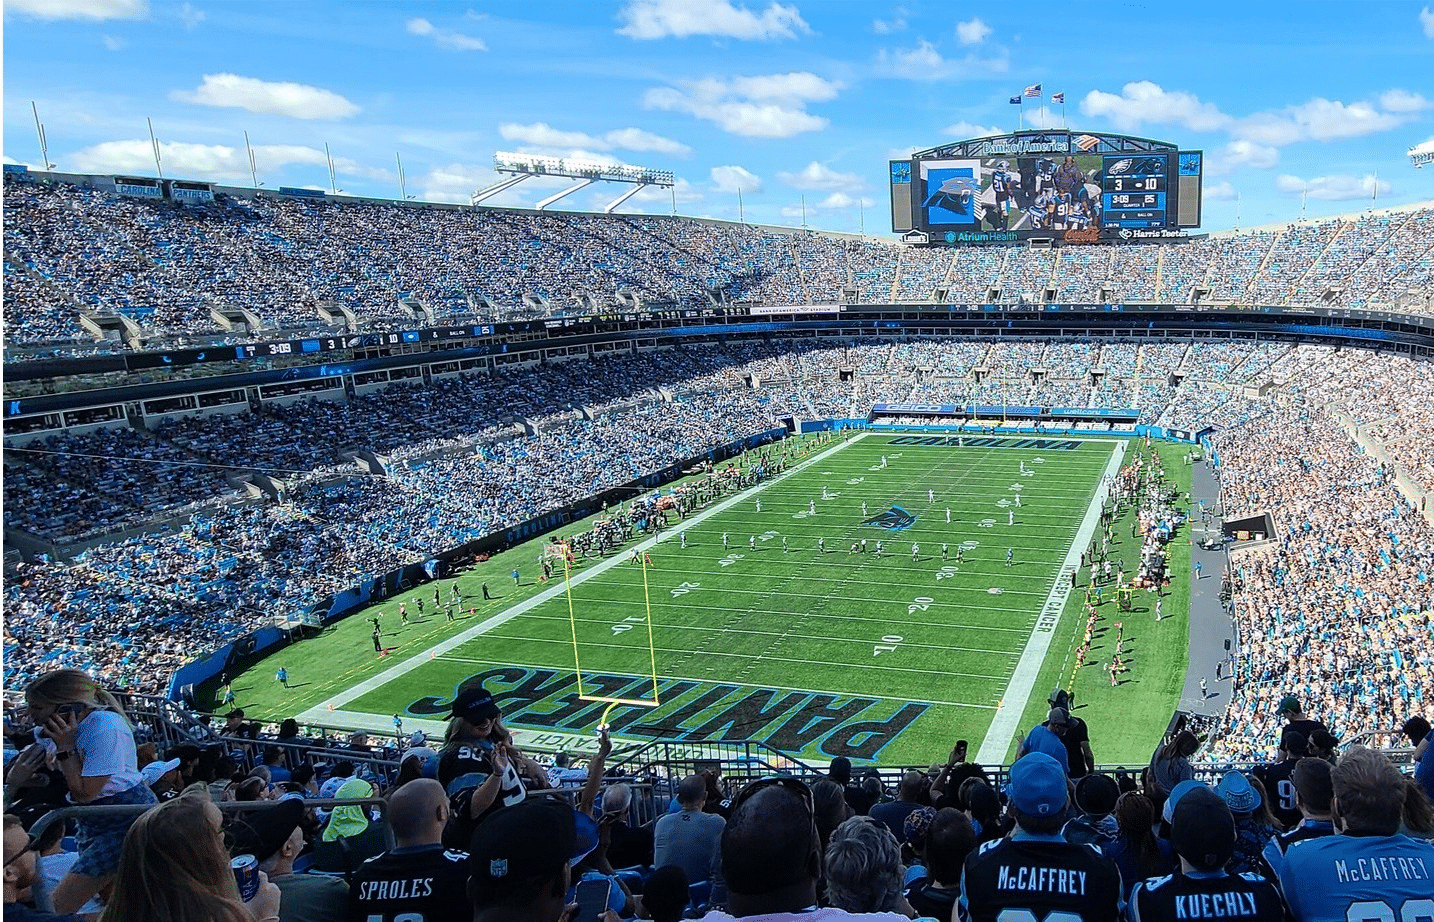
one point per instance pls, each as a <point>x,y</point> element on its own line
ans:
<point>785,782</point>
<point>30,844</point>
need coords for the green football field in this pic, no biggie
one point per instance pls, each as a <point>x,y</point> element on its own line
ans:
<point>784,634</point>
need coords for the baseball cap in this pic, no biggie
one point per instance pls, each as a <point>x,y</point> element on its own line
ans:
<point>1038,785</point>
<point>157,770</point>
<point>474,704</point>
<point>1096,794</point>
<point>1238,794</point>
<point>1058,717</point>
<point>917,824</point>
<point>527,840</point>
<point>1289,704</point>
<point>1203,829</point>
<point>262,832</point>
<point>1416,728</point>
<point>1176,793</point>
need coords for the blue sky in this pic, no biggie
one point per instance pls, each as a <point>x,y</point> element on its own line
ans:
<point>1313,100</point>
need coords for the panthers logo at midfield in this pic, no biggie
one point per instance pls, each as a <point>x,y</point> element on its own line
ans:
<point>893,519</point>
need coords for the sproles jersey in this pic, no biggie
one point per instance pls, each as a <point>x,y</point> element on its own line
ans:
<point>1029,877</point>
<point>1239,898</point>
<point>425,883</point>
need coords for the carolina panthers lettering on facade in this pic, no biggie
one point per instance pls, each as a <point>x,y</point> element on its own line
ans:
<point>893,519</point>
<point>1044,880</point>
<point>968,441</point>
<point>816,723</point>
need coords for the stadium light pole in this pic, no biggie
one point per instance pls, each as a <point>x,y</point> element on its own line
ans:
<point>40,133</point>
<point>154,144</point>
<point>402,186</point>
<point>333,184</point>
<point>741,215</point>
<point>253,168</point>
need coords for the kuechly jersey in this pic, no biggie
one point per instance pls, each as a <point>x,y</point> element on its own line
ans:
<point>1346,878</point>
<point>422,884</point>
<point>1028,878</point>
<point>1239,898</point>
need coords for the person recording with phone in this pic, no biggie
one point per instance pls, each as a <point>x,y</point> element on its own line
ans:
<point>86,735</point>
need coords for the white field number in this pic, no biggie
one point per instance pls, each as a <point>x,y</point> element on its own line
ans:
<point>887,645</point>
<point>627,623</point>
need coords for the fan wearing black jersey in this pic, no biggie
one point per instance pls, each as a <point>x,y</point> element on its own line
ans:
<point>418,878</point>
<point>1035,872</point>
<point>1203,833</point>
<point>479,767</point>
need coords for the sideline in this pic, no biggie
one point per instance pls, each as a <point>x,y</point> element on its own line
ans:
<point>1028,668</point>
<point>327,709</point>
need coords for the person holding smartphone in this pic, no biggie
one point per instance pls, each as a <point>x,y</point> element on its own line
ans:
<point>88,737</point>
<point>479,766</point>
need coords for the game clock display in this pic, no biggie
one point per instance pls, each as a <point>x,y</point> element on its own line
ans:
<point>1133,190</point>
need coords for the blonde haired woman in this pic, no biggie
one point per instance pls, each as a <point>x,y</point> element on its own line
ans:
<point>91,741</point>
<point>175,868</point>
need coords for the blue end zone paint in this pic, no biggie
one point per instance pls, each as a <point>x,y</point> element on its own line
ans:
<point>983,441</point>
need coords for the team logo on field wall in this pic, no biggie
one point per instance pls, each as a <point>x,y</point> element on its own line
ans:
<point>893,519</point>
<point>811,723</point>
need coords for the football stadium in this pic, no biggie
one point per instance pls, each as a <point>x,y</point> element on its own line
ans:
<point>1063,548</point>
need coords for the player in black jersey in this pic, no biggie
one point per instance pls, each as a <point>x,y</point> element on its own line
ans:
<point>1035,872</point>
<point>418,879</point>
<point>1203,833</point>
<point>1277,777</point>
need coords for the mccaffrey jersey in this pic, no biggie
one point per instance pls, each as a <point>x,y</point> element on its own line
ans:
<point>1342,877</point>
<point>426,883</point>
<point>1032,877</point>
<point>1206,896</point>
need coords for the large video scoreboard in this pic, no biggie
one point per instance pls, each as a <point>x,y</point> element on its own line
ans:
<point>1054,184</point>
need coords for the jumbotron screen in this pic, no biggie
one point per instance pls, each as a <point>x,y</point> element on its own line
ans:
<point>1079,187</point>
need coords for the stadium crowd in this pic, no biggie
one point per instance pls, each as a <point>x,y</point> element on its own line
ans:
<point>165,265</point>
<point>240,824</point>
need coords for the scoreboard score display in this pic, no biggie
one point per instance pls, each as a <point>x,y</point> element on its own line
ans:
<point>1051,184</point>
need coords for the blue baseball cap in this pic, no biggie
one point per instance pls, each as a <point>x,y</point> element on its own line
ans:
<point>1179,791</point>
<point>1038,785</point>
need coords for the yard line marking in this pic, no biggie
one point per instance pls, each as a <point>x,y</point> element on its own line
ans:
<point>1007,721</point>
<point>783,613</point>
<point>322,710</point>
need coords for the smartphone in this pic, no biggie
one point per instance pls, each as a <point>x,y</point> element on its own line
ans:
<point>961,750</point>
<point>592,897</point>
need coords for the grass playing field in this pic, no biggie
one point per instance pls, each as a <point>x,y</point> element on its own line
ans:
<point>767,626</point>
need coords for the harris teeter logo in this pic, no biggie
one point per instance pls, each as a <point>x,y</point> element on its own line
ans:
<point>893,519</point>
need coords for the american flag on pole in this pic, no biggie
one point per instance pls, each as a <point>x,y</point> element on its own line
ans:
<point>1058,97</point>
<point>1033,90</point>
<point>1087,142</point>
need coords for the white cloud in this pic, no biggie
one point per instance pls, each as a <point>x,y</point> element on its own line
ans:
<point>897,22</point>
<point>842,200</point>
<point>543,135</point>
<point>79,9</point>
<point>1241,153</point>
<point>445,38</point>
<point>682,190</point>
<point>972,31</point>
<point>1398,100</point>
<point>771,106</point>
<point>214,162</point>
<point>1219,192</point>
<point>819,176</point>
<point>1426,19</point>
<point>1337,188</point>
<point>965,129</point>
<point>1145,103</point>
<point>456,182</point>
<point>653,19</point>
<point>191,17</point>
<point>925,62</point>
<point>731,178</point>
<point>1326,120</point>
<point>112,43</point>
<point>296,100</point>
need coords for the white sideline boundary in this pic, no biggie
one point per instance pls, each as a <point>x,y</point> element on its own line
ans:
<point>1006,723</point>
<point>326,710</point>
